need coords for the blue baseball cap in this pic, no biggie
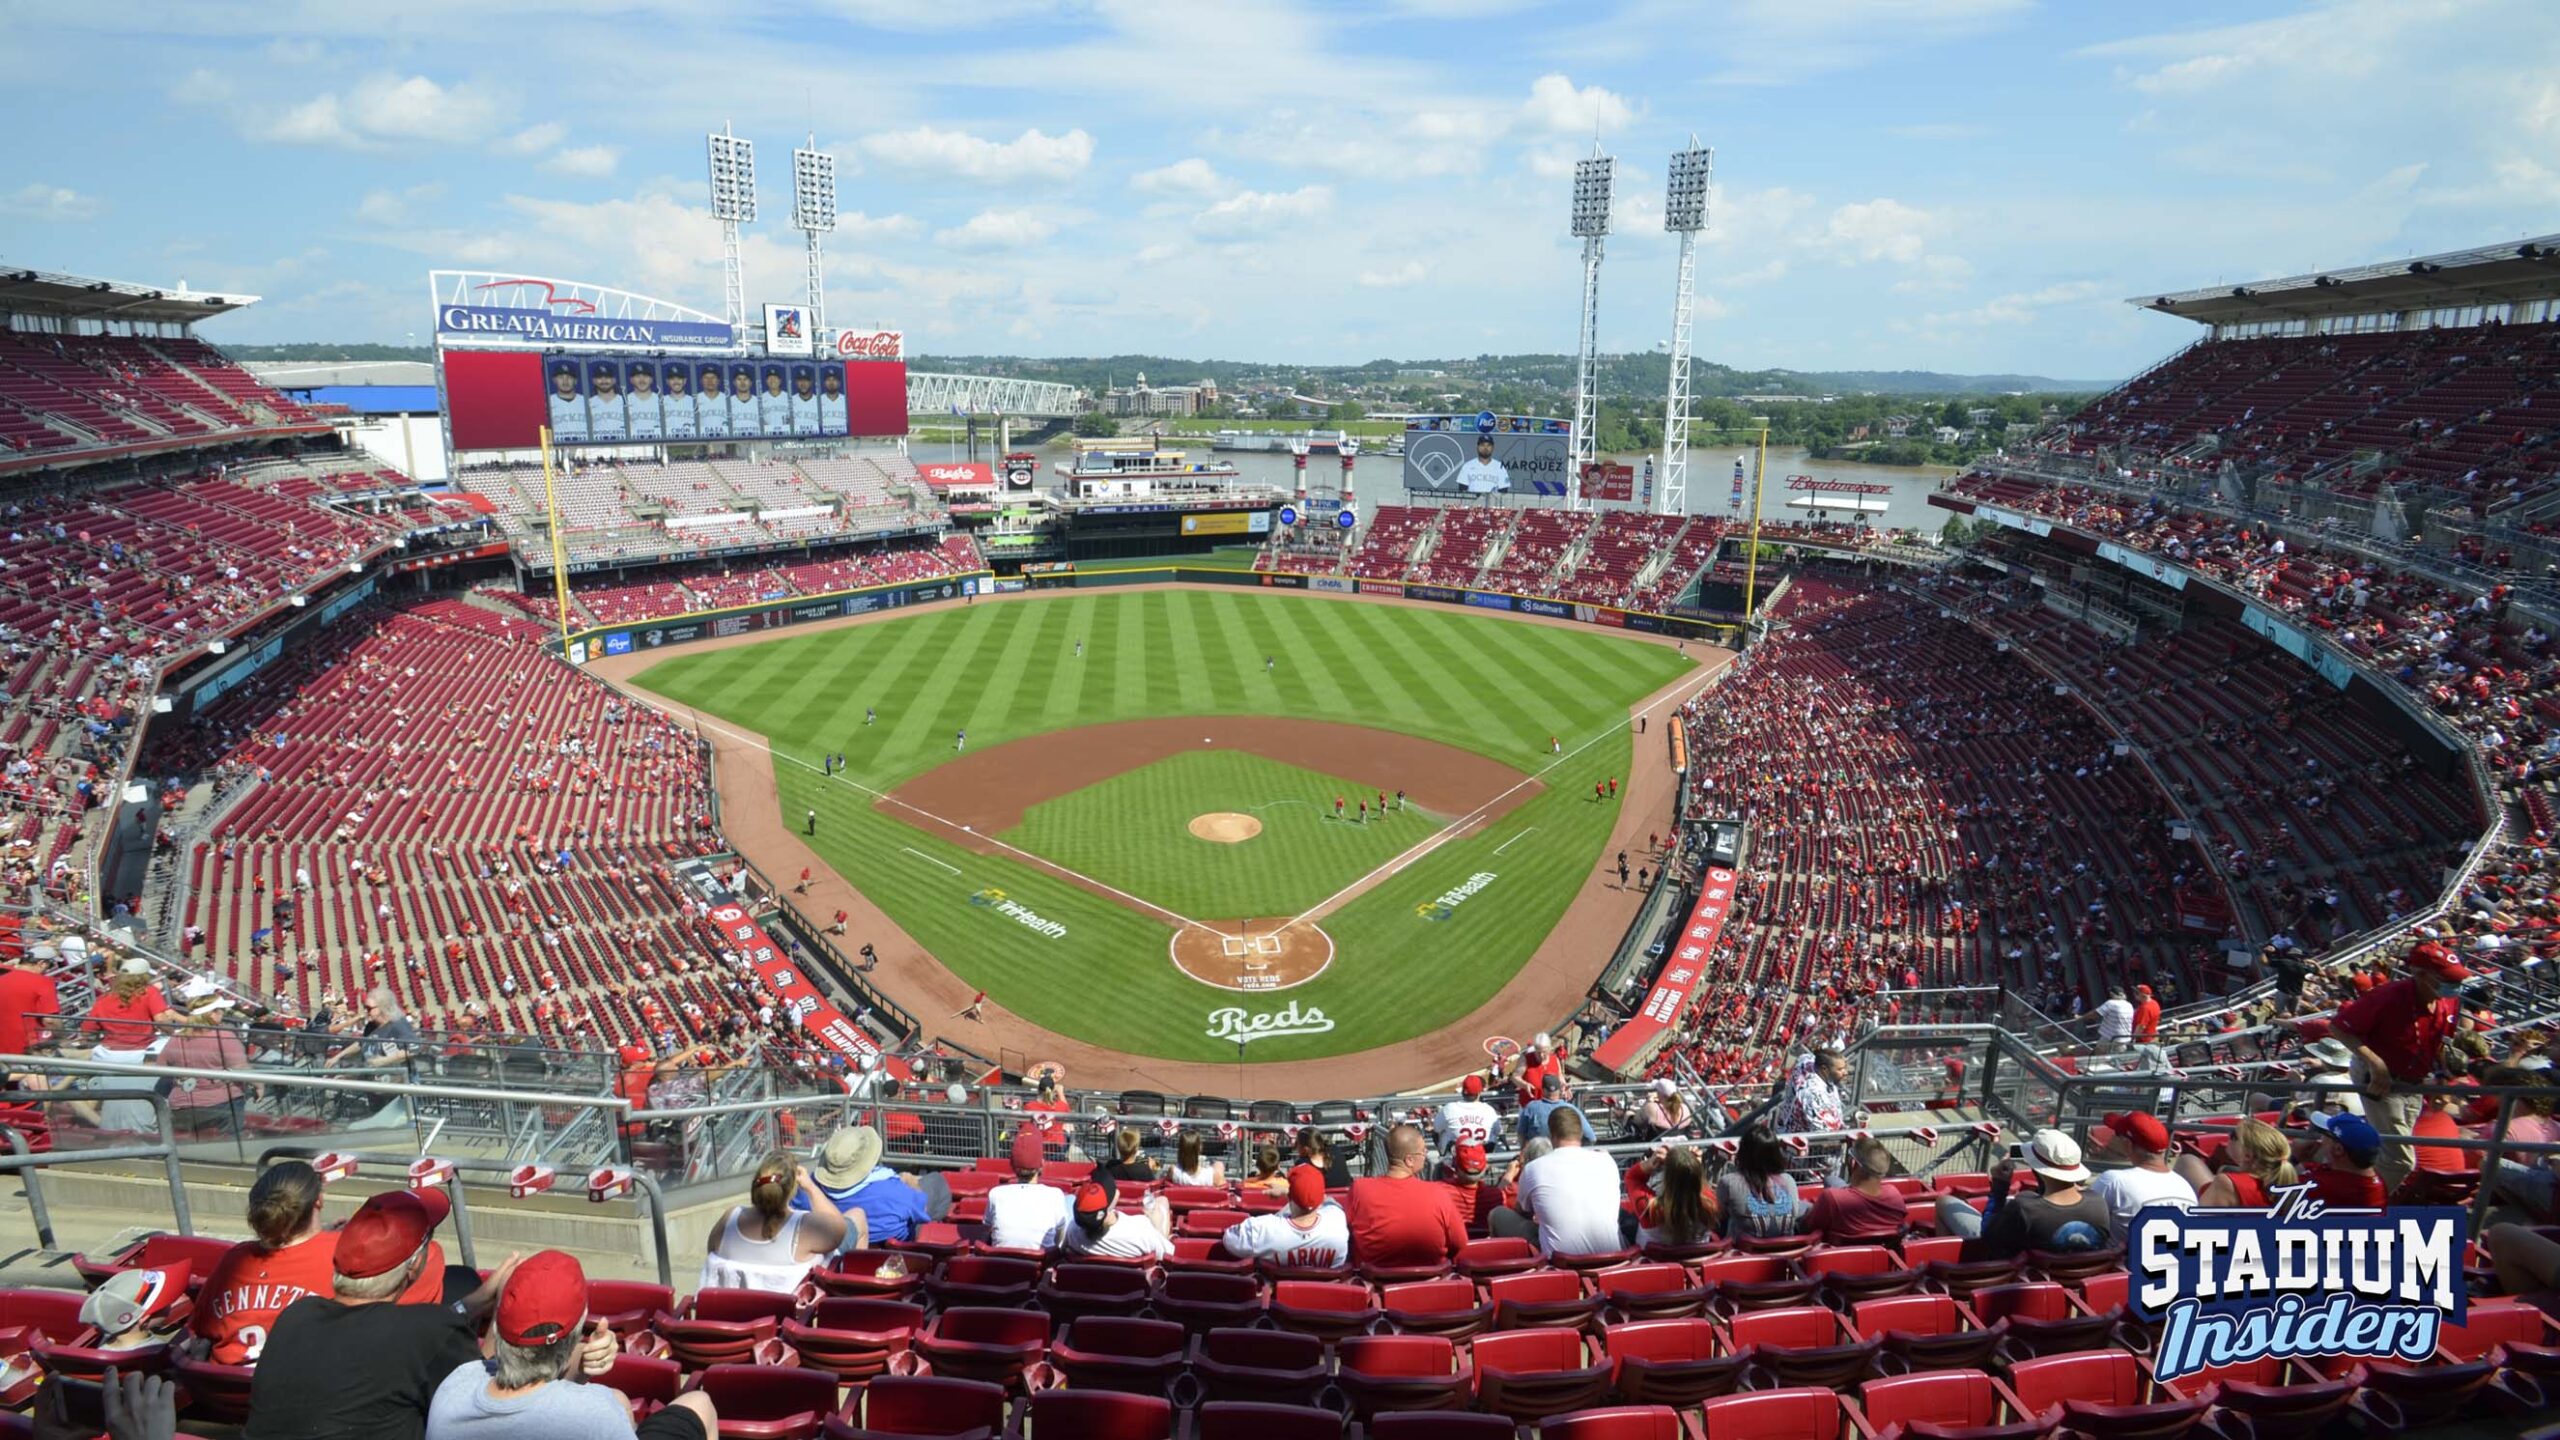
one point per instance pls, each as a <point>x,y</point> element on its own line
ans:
<point>2354,1134</point>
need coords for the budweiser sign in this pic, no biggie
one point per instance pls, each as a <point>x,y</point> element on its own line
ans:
<point>871,344</point>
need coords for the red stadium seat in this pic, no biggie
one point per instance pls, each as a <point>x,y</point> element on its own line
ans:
<point>55,1314</point>
<point>1672,1362</point>
<point>1441,1425</point>
<point>1454,1308</point>
<point>985,1280</point>
<point>2271,1399</point>
<point>1070,1292</point>
<point>1267,1366</point>
<point>1737,1283</point>
<point>1851,1273</point>
<point>219,1394</point>
<point>1927,1332</point>
<point>2104,1393</point>
<point>1329,1310</point>
<point>1112,1352</point>
<point>974,1343</point>
<point>1957,1404</point>
<point>1097,1415</point>
<point>1483,1259</point>
<point>721,1327</point>
<point>854,1339</point>
<point>1242,1420</point>
<point>1615,1422</point>
<point>1534,1298</point>
<point>1803,1414</point>
<point>1204,1301</point>
<point>876,1274</point>
<point>154,1252</point>
<point>1961,1278</point>
<point>768,1402</point>
<point>627,1305</point>
<point>1650,1291</point>
<point>1805,1345</point>
<point>1402,1372</point>
<point>918,1405</point>
<point>1528,1374</point>
<point>2041,1318</point>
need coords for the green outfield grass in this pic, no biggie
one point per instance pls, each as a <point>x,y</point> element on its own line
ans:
<point>1133,831</point>
<point>1002,671</point>
<point>1225,557</point>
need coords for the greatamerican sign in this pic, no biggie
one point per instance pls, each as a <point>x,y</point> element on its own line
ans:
<point>549,327</point>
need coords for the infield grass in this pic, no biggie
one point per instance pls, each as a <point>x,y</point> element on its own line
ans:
<point>1133,831</point>
<point>1006,670</point>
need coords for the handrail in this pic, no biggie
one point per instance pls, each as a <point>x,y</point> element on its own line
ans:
<point>32,1165</point>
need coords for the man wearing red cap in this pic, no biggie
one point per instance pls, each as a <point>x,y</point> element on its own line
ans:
<point>2142,1140</point>
<point>1399,1218</point>
<point>2146,1016</point>
<point>1465,1120</point>
<point>1312,1233</point>
<point>358,1363</point>
<point>2397,1032</point>
<point>1472,1189</point>
<point>1101,1229</point>
<point>1026,1215</point>
<point>542,1345</point>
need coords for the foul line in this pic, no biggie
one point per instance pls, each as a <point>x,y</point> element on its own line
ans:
<point>929,860</point>
<point>1425,846</point>
<point>883,797</point>
<point>1514,840</point>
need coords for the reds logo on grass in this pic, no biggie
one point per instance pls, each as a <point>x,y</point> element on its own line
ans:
<point>1232,1023</point>
<point>1446,903</point>
<point>2228,1286</point>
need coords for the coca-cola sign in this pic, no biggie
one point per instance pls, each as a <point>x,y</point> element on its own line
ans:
<point>871,344</point>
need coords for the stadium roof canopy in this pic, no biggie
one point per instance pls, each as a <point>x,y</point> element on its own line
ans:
<point>2490,275</point>
<point>76,297</point>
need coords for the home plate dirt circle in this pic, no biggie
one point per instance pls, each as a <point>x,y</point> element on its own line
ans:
<point>1253,956</point>
<point>1226,827</point>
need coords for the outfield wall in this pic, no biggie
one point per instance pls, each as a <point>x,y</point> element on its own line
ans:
<point>639,636</point>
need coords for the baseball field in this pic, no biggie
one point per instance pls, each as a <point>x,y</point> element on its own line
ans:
<point>1175,817</point>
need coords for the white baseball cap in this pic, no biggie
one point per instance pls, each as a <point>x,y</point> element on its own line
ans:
<point>2055,1156</point>
<point>1542,1041</point>
<point>135,966</point>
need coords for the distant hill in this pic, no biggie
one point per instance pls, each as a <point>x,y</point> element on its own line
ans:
<point>1630,375</point>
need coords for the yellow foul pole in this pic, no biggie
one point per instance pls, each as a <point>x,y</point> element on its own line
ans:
<point>559,548</point>
<point>1751,556</point>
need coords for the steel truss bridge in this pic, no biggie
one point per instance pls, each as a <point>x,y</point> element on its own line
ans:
<point>930,394</point>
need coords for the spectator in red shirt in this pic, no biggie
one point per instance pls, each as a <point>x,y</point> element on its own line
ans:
<point>1860,1211</point>
<point>1399,1218</point>
<point>2436,1122</point>
<point>1473,1186</point>
<point>122,1017</point>
<point>26,995</point>
<point>2397,1032</point>
<point>2146,1016</point>
<point>1536,1063</point>
<point>2344,1176</point>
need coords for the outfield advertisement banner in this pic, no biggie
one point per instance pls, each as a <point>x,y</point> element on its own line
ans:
<point>1441,593</point>
<point>799,999</point>
<point>1275,581</point>
<point>1381,587</point>
<point>1531,605</point>
<point>1333,584</point>
<point>1488,600</point>
<point>1632,1043</point>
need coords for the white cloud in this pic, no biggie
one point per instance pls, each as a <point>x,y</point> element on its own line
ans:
<point>1408,273</point>
<point>378,109</point>
<point>1557,108</point>
<point>313,122</point>
<point>591,161</point>
<point>1241,212</point>
<point>388,208</point>
<point>997,230</point>
<point>2019,309</point>
<point>1033,155</point>
<point>1873,230</point>
<point>416,108</point>
<point>878,227</point>
<point>1183,177</point>
<point>50,203</point>
<point>533,140</point>
<point>1159,252</point>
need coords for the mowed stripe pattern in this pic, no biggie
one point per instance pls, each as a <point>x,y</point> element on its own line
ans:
<point>1002,671</point>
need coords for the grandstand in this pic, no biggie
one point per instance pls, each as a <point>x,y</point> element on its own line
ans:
<point>2155,725</point>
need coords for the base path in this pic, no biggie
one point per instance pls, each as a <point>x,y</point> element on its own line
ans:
<point>1550,986</point>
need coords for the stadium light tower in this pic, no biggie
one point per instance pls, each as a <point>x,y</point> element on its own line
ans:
<point>1591,222</point>
<point>813,213</point>
<point>1684,213</point>
<point>733,203</point>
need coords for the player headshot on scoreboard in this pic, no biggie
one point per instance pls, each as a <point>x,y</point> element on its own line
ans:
<point>679,401</point>
<point>1484,475</point>
<point>568,405</point>
<point>640,400</point>
<point>831,416</point>
<point>604,401</point>
<point>804,399</point>
<point>742,401</point>
<point>710,402</point>
<point>774,405</point>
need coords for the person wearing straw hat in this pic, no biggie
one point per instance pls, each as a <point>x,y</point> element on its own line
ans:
<point>2060,1214</point>
<point>204,1042</point>
<point>848,1169</point>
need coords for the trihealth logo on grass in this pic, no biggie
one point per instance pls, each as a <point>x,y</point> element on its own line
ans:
<point>992,898</point>
<point>2296,1279</point>
<point>1446,903</point>
<point>1234,1024</point>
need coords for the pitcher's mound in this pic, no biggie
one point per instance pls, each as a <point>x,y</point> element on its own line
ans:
<point>1252,955</point>
<point>1225,827</point>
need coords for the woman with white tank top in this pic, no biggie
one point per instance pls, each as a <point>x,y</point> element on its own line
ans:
<point>765,1244</point>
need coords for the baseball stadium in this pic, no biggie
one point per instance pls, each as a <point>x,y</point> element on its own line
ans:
<point>1088,938</point>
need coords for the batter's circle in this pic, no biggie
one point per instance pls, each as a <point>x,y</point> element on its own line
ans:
<point>1225,827</point>
<point>1252,957</point>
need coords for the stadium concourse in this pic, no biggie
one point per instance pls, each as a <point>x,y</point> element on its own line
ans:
<point>314,846</point>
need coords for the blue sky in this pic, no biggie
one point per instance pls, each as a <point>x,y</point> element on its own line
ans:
<point>1965,185</point>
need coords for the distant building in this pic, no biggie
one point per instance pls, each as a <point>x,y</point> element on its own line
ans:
<point>1948,434</point>
<point>1144,399</point>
